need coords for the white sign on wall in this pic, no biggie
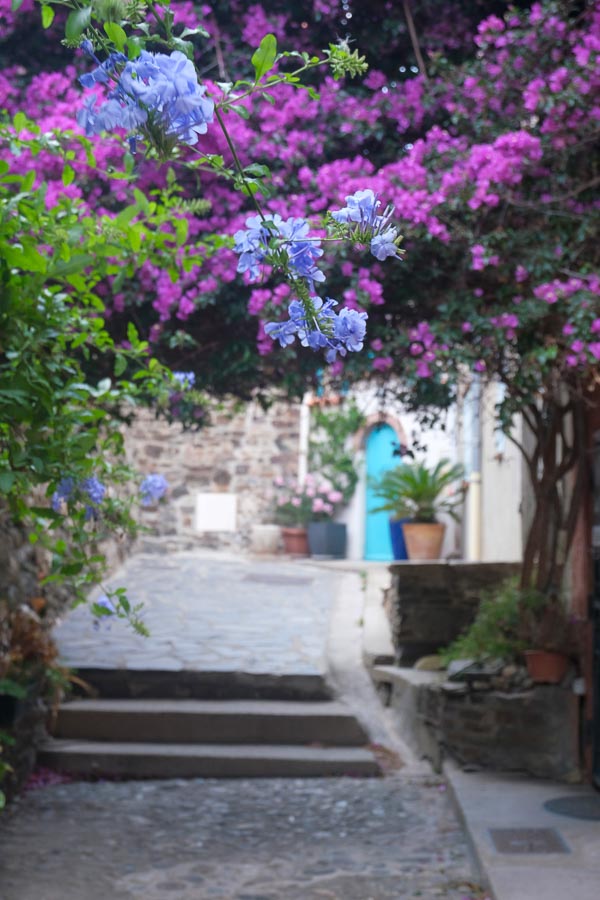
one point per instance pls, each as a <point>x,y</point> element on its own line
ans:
<point>216,512</point>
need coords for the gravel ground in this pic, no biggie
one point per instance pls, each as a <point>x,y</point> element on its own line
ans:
<point>332,839</point>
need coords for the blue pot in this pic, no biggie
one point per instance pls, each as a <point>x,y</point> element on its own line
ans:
<point>397,537</point>
<point>327,539</point>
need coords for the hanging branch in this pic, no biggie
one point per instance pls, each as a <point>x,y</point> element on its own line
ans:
<point>414,38</point>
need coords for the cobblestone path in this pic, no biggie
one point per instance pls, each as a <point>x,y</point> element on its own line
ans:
<point>210,613</point>
<point>332,839</point>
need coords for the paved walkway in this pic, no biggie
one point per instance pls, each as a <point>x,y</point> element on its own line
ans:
<point>330,839</point>
<point>395,838</point>
<point>210,613</point>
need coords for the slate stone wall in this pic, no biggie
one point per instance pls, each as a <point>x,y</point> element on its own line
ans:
<point>430,603</point>
<point>535,731</point>
<point>241,453</point>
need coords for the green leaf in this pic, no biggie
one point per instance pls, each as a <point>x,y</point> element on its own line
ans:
<point>240,110</point>
<point>181,230</point>
<point>77,21</point>
<point>185,47</point>
<point>47,16</point>
<point>190,32</point>
<point>19,121</point>
<point>16,4</point>
<point>7,479</point>
<point>257,170</point>
<point>120,365</point>
<point>116,34</point>
<point>264,58</point>
<point>75,264</point>
<point>68,175</point>
<point>13,688</point>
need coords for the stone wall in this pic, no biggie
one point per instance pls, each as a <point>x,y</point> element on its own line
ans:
<point>533,731</point>
<point>430,604</point>
<point>22,566</point>
<point>241,454</point>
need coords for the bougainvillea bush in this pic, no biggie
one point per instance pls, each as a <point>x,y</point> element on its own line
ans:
<point>90,222</point>
<point>476,120</point>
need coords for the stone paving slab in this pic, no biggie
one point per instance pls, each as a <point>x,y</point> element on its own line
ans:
<point>336,839</point>
<point>209,613</point>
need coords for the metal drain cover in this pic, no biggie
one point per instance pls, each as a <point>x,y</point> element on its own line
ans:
<point>528,840</point>
<point>266,578</point>
<point>578,806</point>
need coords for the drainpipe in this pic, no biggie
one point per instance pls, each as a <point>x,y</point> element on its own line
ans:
<point>473,471</point>
<point>304,438</point>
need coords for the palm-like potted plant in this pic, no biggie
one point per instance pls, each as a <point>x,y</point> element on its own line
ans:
<point>419,494</point>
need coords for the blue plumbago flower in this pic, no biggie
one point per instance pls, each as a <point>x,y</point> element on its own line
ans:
<point>107,604</point>
<point>94,489</point>
<point>367,226</point>
<point>321,328</point>
<point>185,379</point>
<point>103,71</point>
<point>154,93</point>
<point>62,493</point>
<point>361,207</point>
<point>252,245</point>
<point>153,488</point>
<point>104,609</point>
<point>384,244</point>
<point>301,251</point>
<point>278,242</point>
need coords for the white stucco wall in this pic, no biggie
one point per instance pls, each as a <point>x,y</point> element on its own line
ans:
<point>502,487</point>
<point>437,444</point>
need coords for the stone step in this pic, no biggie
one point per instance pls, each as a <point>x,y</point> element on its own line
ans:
<point>139,760</point>
<point>210,722</point>
<point>203,685</point>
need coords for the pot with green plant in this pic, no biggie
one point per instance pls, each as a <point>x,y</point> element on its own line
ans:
<point>420,494</point>
<point>549,634</point>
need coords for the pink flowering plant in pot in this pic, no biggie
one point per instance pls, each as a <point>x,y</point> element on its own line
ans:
<point>298,504</point>
<point>311,506</point>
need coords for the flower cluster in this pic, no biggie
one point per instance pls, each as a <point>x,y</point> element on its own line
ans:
<point>185,379</point>
<point>156,95</point>
<point>423,347</point>
<point>90,490</point>
<point>314,500</point>
<point>367,226</point>
<point>319,327</point>
<point>153,488</point>
<point>103,609</point>
<point>280,243</point>
<point>286,244</point>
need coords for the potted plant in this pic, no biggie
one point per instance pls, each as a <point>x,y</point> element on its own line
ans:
<point>325,537</point>
<point>416,493</point>
<point>549,633</point>
<point>305,512</point>
<point>292,512</point>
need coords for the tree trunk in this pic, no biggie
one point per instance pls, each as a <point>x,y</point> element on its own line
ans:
<point>557,472</point>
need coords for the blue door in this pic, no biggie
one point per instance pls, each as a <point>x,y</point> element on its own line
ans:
<point>381,443</point>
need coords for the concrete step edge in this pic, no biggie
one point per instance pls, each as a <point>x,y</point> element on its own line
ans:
<point>208,760</point>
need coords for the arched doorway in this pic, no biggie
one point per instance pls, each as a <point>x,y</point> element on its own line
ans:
<point>381,443</point>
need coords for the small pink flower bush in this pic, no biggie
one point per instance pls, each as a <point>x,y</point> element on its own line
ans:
<point>298,504</point>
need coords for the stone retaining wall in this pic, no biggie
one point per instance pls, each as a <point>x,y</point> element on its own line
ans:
<point>241,454</point>
<point>533,732</point>
<point>430,603</point>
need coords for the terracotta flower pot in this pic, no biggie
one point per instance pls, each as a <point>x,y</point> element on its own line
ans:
<point>423,539</point>
<point>295,541</point>
<point>545,666</point>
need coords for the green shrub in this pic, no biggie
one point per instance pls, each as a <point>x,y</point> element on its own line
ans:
<point>497,630</point>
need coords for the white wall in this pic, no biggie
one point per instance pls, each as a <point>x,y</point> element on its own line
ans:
<point>439,444</point>
<point>502,487</point>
